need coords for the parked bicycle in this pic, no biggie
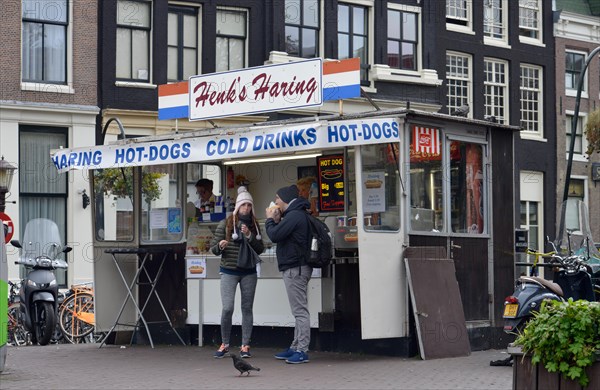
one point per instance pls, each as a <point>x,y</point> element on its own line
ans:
<point>76,316</point>
<point>17,334</point>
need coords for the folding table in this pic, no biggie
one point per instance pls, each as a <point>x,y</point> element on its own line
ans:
<point>145,255</point>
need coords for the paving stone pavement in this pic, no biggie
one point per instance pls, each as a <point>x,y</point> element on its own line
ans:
<point>85,366</point>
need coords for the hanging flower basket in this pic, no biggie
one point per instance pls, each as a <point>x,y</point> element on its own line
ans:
<point>592,132</point>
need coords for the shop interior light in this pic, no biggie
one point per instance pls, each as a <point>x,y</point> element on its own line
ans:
<point>270,159</point>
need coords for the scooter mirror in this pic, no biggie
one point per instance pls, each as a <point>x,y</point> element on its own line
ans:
<point>16,243</point>
<point>67,249</point>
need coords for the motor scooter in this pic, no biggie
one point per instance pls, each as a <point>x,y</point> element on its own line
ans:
<point>39,290</point>
<point>574,260</point>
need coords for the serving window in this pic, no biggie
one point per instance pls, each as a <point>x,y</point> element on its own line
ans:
<point>114,204</point>
<point>446,197</point>
<point>381,186</point>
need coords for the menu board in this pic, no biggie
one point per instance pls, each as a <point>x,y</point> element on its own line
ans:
<point>331,182</point>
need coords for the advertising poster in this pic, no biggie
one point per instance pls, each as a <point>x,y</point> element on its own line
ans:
<point>374,192</point>
<point>174,218</point>
<point>331,182</point>
<point>195,267</point>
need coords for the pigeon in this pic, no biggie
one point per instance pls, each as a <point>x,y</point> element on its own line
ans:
<point>461,111</point>
<point>242,366</point>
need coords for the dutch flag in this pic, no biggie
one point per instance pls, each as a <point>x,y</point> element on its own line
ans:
<point>173,101</point>
<point>341,79</point>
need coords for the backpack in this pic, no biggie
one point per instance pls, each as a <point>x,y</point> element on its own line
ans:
<point>321,245</point>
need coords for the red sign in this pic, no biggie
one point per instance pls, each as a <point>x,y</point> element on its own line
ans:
<point>11,227</point>
<point>331,182</point>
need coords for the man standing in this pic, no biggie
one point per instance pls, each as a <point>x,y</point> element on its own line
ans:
<point>287,225</point>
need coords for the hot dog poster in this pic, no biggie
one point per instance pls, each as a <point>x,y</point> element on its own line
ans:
<point>195,267</point>
<point>331,182</point>
<point>373,187</point>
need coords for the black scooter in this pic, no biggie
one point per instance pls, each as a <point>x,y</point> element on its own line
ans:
<point>39,289</point>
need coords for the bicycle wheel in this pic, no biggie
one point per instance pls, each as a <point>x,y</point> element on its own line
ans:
<point>76,317</point>
<point>17,335</point>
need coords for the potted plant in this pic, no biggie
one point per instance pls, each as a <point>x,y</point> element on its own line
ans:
<point>564,338</point>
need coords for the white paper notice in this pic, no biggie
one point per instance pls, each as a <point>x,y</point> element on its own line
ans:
<point>158,219</point>
<point>374,192</point>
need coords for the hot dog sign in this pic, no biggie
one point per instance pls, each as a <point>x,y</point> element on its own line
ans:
<point>331,182</point>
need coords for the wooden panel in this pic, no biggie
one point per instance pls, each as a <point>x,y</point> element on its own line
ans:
<point>524,373</point>
<point>437,308</point>
<point>547,380</point>
<point>471,261</point>
<point>425,252</point>
<point>569,384</point>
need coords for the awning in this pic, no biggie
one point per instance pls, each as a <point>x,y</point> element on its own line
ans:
<point>231,144</point>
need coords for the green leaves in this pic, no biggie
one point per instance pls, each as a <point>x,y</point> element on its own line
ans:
<point>564,337</point>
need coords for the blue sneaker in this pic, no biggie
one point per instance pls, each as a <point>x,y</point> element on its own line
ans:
<point>222,351</point>
<point>298,357</point>
<point>285,354</point>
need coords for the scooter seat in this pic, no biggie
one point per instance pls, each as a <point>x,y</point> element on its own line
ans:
<point>554,287</point>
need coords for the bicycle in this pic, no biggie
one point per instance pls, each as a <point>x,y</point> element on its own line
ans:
<point>76,314</point>
<point>17,334</point>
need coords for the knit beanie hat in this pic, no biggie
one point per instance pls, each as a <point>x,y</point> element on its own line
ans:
<point>287,194</point>
<point>243,197</point>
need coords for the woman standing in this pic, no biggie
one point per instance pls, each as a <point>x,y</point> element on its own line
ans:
<point>228,238</point>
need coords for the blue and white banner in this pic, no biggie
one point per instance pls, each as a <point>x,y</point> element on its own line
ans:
<point>255,142</point>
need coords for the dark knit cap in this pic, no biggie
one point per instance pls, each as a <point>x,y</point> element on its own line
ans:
<point>287,194</point>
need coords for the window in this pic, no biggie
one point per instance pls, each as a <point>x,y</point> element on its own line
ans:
<point>530,220</point>
<point>426,185</point>
<point>162,208</point>
<point>133,40</point>
<point>302,23</point>
<point>113,197</point>
<point>231,40</point>
<point>532,195</point>
<point>43,191</point>
<point>467,187</point>
<point>496,90</point>
<point>530,20</point>
<point>576,194</point>
<point>531,99</point>
<point>458,15</point>
<point>183,43</point>
<point>44,41</point>
<point>574,63</point>
<point>402,40</point>
<point>494,20</point>
<point>381,204</point>
<point>352,36</point>
<point>579,142</point>
<point>458,79</point>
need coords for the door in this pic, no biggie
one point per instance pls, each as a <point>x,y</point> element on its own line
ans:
<point>383,288</point>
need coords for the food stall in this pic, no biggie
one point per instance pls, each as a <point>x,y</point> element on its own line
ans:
<point>375,194</point>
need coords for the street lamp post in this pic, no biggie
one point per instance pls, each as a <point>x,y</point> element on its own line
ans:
<point>6,175</point>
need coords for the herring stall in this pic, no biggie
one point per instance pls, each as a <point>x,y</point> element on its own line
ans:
<point>387,181</point>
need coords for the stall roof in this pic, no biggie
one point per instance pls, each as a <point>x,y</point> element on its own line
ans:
<point>292,136</point>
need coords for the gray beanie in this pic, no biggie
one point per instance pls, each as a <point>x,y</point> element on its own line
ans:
<point>287,194</point>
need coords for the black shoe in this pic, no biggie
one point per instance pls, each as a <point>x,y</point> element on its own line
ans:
<point>502,362</point>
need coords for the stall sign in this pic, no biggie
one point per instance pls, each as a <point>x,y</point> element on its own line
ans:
<point>254,90</point>
<point>254,142</point>
<point>195,267</point>
<point>331,182</point>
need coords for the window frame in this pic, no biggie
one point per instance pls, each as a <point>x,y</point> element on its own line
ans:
<point>131,28</point>
<point>246,37</point>
<point>301,26</point>
<point>538,9</point>
<point>457,23</point>
<point>539,122</point>
<point>469,82</point>
<point>417,43</point>
<point>42,85</point>
<point>579,133</point>
<point>490,110</point>
<point>502,23</point>
<point>368,36</point>
<point>64,195</point>
<point>575,75</point>
<point>181,11</point>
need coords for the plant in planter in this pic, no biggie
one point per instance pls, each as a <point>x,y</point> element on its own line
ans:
<point>564,337</point>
